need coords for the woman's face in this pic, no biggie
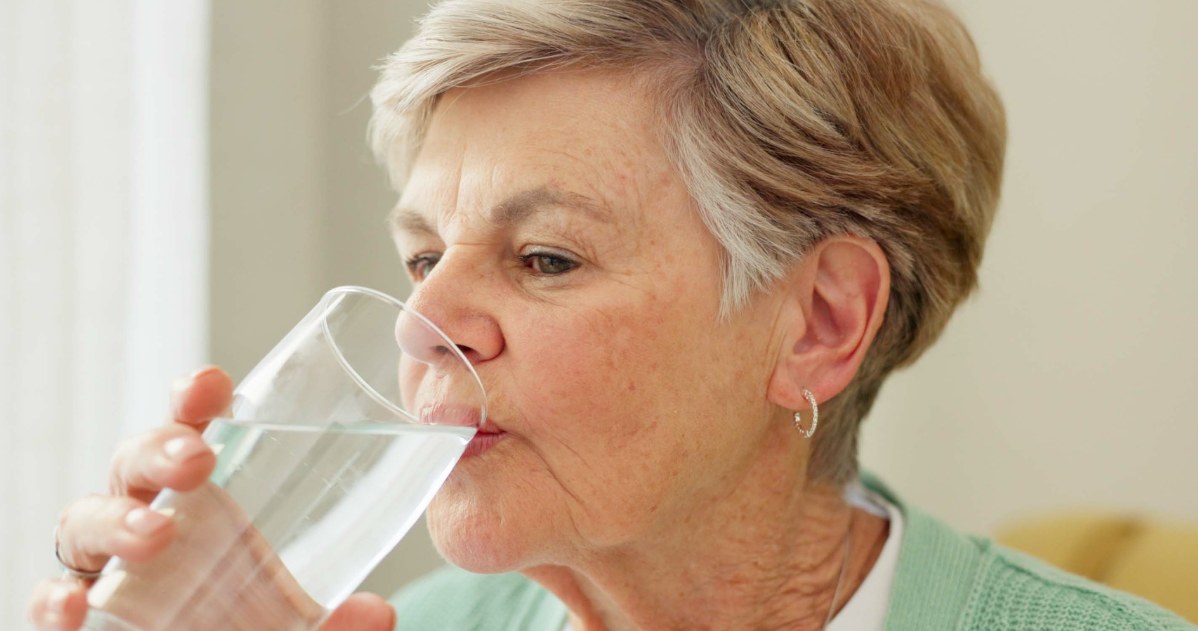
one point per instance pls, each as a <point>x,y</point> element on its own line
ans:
<point>548,235</point>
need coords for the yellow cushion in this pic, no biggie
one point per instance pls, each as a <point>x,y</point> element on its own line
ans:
<point>1079,542</point>
<point>1158,562</point>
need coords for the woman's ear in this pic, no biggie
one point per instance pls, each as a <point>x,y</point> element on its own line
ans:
<point>837,296</point>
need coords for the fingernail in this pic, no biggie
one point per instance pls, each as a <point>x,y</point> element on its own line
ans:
<point>182,383</point>
<point>183,448</point>
<point>206,370</point>
<point>145,522</point>
<point>177,388</point>
<point>56,604</point>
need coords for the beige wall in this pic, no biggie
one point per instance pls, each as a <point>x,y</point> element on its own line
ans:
<point>1068,379</point>
<point>1064,382</point>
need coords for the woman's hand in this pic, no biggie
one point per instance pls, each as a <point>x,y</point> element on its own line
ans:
<point>95,528</point>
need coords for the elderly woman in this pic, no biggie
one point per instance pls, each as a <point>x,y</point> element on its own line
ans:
<point>683,242</point>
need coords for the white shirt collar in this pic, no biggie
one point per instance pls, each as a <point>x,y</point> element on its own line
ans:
<point>866,610</point>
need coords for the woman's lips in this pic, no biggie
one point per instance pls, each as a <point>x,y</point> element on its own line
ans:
<point>482,442</point>
<point>488,435</point>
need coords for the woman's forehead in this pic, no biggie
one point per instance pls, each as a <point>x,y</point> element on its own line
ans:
<point>584,138</point>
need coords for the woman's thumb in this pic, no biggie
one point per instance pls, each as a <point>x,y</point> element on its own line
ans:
<point>362,612</point>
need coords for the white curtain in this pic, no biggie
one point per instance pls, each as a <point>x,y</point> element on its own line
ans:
<point>103,248</point>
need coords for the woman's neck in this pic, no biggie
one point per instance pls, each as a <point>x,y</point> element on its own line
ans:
<point>766,555</point>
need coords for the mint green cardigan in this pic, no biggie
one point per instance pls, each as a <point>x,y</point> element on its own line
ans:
<point>944,580</point>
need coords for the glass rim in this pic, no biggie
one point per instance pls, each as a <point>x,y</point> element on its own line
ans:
<point>403,308</point>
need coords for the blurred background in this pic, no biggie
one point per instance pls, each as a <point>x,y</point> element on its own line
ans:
<point>180,182</point>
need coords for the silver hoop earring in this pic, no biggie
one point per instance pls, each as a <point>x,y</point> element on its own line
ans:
<point>809,432</point>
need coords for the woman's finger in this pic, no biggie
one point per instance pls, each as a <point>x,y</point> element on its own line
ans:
<point>204,395</point>
<point>172,457</point>
<point>363,611</point>
<point>98,527</point>
<point>58,605</point>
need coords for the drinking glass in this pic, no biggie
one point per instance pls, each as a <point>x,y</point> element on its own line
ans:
<point>332,448</point>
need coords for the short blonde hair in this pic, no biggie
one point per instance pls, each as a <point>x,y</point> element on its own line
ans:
<point>790,121</point>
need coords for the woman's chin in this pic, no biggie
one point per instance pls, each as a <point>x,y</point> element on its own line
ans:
<point>474,542</point>
<point>473,559</point>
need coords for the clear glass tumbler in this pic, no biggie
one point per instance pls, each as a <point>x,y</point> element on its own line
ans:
<point>333,447</point>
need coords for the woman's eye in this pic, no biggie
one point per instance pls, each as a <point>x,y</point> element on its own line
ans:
<point>548,264</point>
<point>421,265</point>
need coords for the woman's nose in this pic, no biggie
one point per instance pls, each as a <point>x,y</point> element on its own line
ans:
<point>448,303</point>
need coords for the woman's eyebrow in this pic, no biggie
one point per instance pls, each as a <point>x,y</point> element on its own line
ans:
<point>520,206</point>
<point>408,221</point>
<point>513,210</point>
